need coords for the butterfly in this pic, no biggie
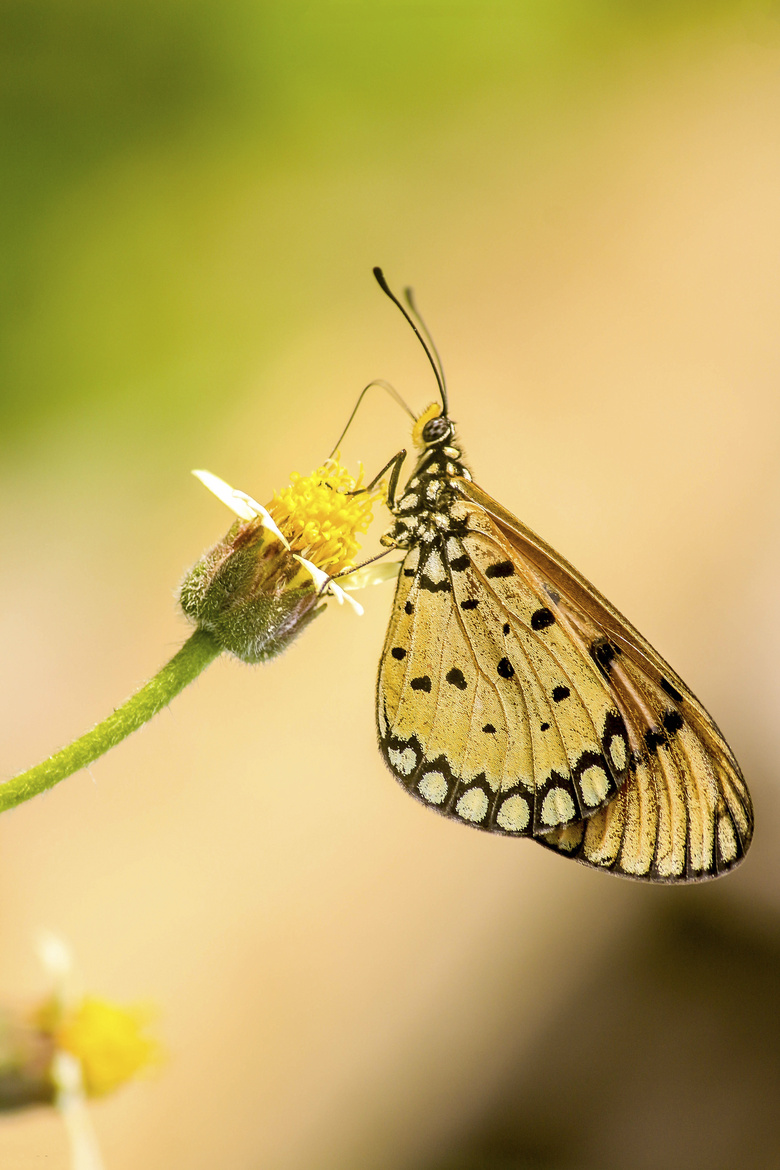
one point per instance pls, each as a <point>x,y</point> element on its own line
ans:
<point>512,696</point>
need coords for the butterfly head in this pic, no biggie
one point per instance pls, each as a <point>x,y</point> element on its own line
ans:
<point>432,428</point>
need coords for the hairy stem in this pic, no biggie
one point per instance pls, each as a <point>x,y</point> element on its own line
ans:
<point>194,656</point>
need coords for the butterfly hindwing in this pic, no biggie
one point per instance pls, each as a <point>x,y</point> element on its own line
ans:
<point>685,813</point>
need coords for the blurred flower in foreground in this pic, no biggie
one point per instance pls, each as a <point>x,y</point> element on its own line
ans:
<point>107,1039</point>
<point>67,1050</point>
<point>261,585</point>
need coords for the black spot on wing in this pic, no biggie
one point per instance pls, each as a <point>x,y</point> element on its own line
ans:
<point>444,586</point>
<point>409,572</point>
<point>398,652</point>
<point>560,693</point>
<point>460,563</point>
<point>506,627</point>
<point>456,678</point>
<point>672,721</point>
<point>489,729</point>
<point>423,683</point>
<point>603,652</point>
<point>408,608</point>
<point>544,726</point>
<point>671,691</point>
<point>470,603</point>
<point>505,668</point>
<point>542,618</point>
<point>654,739</point>
<point>500,569</point>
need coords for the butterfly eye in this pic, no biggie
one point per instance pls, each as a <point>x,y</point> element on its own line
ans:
<point>437,430</point>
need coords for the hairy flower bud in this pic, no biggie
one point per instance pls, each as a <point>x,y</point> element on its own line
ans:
<point>260,586</point>
<point>242,592</point>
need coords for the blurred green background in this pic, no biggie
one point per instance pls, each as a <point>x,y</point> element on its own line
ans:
<point>184,183</point>
<point>584,196</point>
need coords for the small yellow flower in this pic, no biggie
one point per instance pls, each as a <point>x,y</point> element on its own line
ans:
<point>108,1041</point>
<point>67,1050</point>
<point>257,589</point>
<point>321,519</point>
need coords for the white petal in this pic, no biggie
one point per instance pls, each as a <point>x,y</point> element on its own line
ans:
<point>323,581</point>
<point>72,1104</point>
<point>341,597</point>
<point>239,502</point>
<point>54,953</point>
<point>228,495</point>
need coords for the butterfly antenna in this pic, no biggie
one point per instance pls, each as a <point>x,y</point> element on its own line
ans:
<point>437,369</point>
<point>409,297</point>
<point>391,390</point>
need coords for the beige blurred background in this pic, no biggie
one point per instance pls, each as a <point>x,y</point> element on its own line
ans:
<point>585,198</point>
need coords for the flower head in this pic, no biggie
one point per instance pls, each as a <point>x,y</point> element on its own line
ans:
<point>69,1048</point>
<point>260,586</point>
<point>109,1042</point>
<point>320,515</point>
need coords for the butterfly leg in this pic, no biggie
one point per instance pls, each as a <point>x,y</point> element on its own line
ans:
<point>391,573</point>
<point>396,463</point>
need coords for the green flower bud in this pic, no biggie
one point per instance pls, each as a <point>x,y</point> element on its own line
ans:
<point>248,591</point>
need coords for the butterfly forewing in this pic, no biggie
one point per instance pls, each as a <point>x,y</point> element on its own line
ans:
<point>488,708</point>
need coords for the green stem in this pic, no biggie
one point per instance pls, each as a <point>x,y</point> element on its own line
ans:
<point>194,656</point>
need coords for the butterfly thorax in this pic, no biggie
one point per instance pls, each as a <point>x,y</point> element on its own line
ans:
<point>428,510</point>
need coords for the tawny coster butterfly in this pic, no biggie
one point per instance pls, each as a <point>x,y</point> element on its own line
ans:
<point>512,696</point>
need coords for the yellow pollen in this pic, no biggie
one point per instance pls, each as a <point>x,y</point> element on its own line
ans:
<point>320,519</point>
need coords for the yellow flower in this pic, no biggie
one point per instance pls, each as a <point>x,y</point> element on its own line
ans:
<point>257,589</point>
<point>108,1041</point>
<point>321,519</point>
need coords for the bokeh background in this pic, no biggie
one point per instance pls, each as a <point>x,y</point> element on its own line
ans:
<point>585,197</point>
